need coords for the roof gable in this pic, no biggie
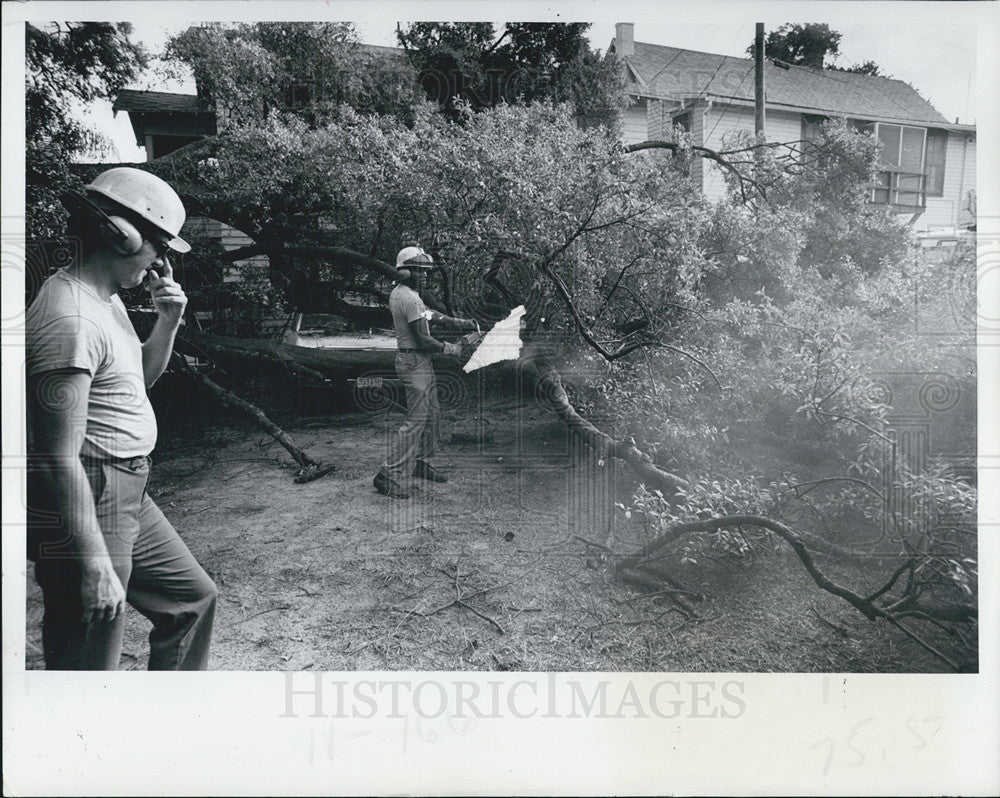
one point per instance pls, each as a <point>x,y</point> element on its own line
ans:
<point>150,102</point>
<point>675,74</point>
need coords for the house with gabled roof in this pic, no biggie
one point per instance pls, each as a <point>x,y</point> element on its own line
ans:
<point>928,165</point>
<point>163,121</point>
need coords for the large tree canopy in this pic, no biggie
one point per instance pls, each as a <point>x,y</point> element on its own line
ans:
<point>469,62</point>
<point>309,69</point>
<point>568,202</point>
<point>717,341</point>
<point>812,44</point>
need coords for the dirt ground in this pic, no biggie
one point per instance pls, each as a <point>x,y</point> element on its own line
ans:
<point>486,572</point>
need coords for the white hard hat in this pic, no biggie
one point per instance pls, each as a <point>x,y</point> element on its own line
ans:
<point>146,195</point>
<point>414,256</point>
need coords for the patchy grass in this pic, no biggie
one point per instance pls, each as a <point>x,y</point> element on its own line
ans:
<point>486,572</point>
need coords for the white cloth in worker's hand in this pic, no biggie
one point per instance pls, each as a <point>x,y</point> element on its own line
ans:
<point>503,342</point>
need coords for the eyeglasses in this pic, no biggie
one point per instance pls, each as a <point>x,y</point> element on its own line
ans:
<point>159,245</point>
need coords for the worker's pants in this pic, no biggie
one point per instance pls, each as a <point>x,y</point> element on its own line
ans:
<point>416,439</point>
<point>161,577</point>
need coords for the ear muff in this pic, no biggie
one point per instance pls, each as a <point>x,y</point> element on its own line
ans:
<point>122,235</point>
<point>404,274</point>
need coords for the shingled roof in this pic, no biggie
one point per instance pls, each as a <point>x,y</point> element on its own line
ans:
<point>671,73</point>
<point>149,102</point>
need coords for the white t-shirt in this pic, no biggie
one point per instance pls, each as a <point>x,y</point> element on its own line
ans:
<point>69,326</point>
<point>406,305</point>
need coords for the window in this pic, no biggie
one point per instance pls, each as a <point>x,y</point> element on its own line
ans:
<point>888,137</point>
<point>937,144</point>
<point>812,134</point>
<point>911,149</point>
<point>812,127</point>
<point>683,121</point>
<point>902,179</point>
<point>166,144</point>
<point>902,146</point>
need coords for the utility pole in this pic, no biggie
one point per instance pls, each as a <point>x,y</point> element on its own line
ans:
<point>758,57</point>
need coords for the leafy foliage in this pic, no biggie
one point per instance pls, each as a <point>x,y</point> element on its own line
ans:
<point>530,61</point>
<point>812,44</point>
<point>525,180</point>
<point>866,68</point>
<point>816,205</point>
<point>309,69</point>
<point>816,385</point>
<point>67,64</point>
<point>739,344</point>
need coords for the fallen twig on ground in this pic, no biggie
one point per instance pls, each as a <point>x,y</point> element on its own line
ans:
<point>600,546</point>
<point>460,600</point>
<point>832,624</point>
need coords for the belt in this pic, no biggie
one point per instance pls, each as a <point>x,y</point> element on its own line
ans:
<point>128,462</point>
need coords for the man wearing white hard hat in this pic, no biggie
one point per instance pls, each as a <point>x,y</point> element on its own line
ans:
<point>97,539</point>
<point>413,444</point>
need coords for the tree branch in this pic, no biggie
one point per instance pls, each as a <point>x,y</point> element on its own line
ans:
<point>687,354</point>
<point>851,480</point>
<point>310,469</point>
<point>703,152</point>
<point>550,387</point>
<point>244,253</point>
<point>338,256</point>
<point>865,606</point>
<point>582,328</point>
<point>908,565</point>
<point>838,417</point>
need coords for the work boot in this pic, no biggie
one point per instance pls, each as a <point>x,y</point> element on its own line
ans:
<point>390,487</point>
<point>428,472</point>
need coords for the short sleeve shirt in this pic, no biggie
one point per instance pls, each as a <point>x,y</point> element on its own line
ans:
<point>69,326</point>
<point>406,306</point>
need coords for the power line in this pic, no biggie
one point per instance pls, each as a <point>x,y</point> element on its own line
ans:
<point>664,68</point>
<point>728,105</point>
<point>679,54</point>
<point>824,74</point>
<point>722,63</point>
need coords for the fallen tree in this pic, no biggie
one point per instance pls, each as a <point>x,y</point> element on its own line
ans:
<point>601,243</point>
<point>638,568</point>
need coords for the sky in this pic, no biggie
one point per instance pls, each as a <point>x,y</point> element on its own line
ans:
<point>936,57</point>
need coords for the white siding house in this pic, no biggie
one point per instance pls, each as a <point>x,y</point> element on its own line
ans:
<point>956,205</point>
<point>635,122</point>
<point>719,120</point>
<point>928,168</point>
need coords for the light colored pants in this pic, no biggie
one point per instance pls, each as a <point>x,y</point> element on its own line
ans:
<point>161,577</point>
<point>416,439</point>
